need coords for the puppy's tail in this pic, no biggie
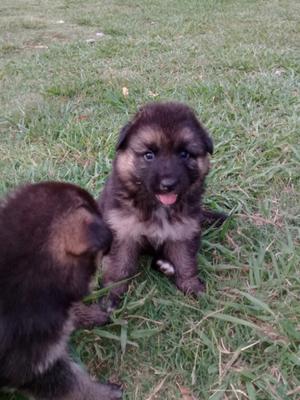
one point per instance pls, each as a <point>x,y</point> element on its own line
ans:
<point>208,218</point>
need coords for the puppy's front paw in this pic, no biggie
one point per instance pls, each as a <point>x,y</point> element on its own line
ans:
<point>192,286</point>
<point>109,304</point>
<point>165,267</point>
<point>110,391</point>
<point>88,317</point>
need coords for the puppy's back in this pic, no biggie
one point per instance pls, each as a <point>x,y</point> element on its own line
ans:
<point>48,239</point>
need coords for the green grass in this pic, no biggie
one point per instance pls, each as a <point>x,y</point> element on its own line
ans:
<point>237,63</point>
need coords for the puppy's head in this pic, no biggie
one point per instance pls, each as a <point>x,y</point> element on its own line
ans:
<point>77,232</point>
<point>52,233</point>
<point>164,151</point>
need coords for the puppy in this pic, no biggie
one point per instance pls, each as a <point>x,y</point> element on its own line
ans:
<point>50,237</point>
<point>152,199</point>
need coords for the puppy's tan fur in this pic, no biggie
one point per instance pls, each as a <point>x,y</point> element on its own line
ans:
<point>152,200</point>
<point>51,235</point>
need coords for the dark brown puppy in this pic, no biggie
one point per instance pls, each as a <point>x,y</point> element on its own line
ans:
<point>50,237</point>
<point>152,200</point>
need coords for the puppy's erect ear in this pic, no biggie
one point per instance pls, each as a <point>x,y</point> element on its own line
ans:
<point>208,142</point>
<point>123,136</point>
<point>99,236</point>
<point>81,232</point>
<point>128,129</point>
<point>206,138</point>
<point>86,233</point>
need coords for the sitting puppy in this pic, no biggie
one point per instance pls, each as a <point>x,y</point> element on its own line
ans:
<point>50,237</point>
<point>152,200</point>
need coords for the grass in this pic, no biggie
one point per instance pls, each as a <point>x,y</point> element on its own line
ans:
<point>237,63</point>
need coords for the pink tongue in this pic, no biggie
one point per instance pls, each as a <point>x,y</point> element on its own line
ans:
<point>167,199</point>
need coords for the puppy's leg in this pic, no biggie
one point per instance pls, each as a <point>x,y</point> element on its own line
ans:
<point>87,317</point>
<point>182,256</point>
<point>121,263</point>
<point>65,380</point>
<point>208,218</point>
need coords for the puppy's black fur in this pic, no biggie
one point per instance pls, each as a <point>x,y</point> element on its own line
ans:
<point>152,200</point>
<point>50,237</point>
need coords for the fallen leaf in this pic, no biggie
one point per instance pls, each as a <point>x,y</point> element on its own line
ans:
<point>152,94</point>
<point>125,91</point>
<point>82,117</point>
<point>186,393</point>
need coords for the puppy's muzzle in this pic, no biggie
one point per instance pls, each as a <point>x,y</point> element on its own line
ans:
<point>168,185</point>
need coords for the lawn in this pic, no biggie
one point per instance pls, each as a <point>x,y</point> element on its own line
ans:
<point>64,65</point>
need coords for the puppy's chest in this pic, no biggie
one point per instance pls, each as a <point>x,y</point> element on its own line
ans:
<point>156,230</point>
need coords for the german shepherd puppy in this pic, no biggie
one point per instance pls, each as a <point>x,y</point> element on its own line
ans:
<point>152,199</point>
<point>51,235</point>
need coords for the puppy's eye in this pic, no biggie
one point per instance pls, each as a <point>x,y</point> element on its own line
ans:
<point>184,155</point>
<point>149,156</point>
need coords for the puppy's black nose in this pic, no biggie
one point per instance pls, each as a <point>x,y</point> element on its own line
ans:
<point>168,184</point>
